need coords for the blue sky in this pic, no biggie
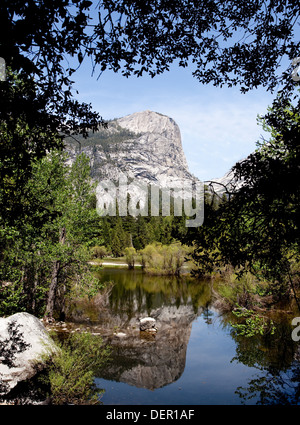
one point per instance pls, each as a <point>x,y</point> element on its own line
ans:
<point>218,125</point>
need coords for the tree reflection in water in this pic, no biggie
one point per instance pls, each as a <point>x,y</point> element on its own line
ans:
<point>157,363</point>
<point>277,360</point>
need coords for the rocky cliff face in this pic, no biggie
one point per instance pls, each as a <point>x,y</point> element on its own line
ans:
<point>145,145</point>
<point>146,149</point>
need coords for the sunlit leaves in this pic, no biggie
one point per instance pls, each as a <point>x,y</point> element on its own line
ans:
<point>257,229</point>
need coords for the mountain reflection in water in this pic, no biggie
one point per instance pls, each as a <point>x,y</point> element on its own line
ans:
<point>139,358</point>
<point>221,367</point>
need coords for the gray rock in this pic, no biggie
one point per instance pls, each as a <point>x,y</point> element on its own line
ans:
<point>152,150</point>
<point>226,184</point>
<point>150,153</point>
<point>147,323</point>
<point>23,342</point>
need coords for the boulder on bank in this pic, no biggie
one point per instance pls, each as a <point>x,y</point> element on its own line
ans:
<point>147,324</point>
<point>23,340</point>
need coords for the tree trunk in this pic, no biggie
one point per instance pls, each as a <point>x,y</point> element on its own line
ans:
<point>35,285</point>
<point>54,280</point>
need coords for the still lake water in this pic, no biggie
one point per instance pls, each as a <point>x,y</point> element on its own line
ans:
<point>195,358</point>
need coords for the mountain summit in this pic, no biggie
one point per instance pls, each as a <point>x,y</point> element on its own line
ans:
<point>159,145</point>
<point>144,145</point>
<point>137,158</point>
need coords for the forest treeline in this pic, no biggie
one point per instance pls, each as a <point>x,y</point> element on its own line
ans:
<point>45,254</point>
<point>48,222</point>
<point>251,231</point>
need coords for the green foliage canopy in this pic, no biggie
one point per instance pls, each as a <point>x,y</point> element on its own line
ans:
<point>257,229</point>
<point>59,200</point>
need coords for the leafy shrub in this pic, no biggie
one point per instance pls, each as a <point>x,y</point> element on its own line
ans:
<point>252,323</point>
<point>164,259</point>
<point>71,370</point>
<point>99,251</point>
<point>130,256</point>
